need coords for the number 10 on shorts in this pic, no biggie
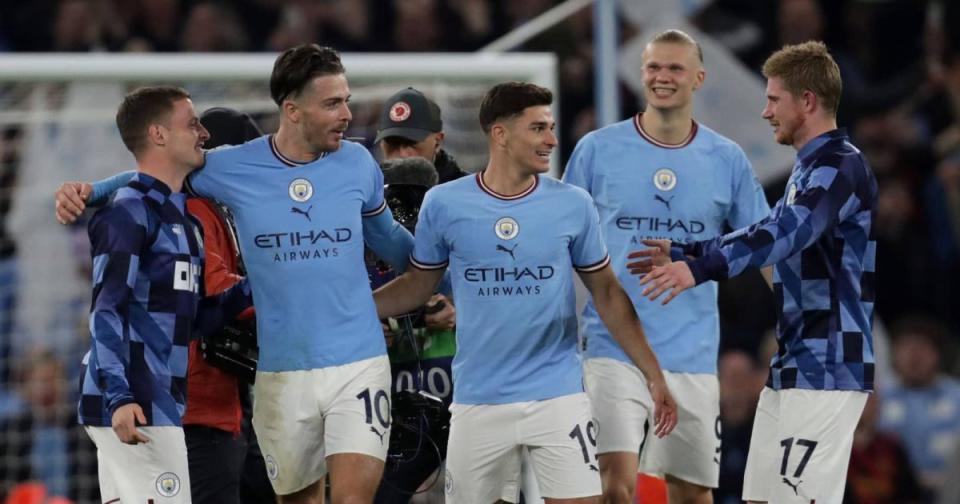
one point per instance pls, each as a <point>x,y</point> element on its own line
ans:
<point>379,404</point>
<point>591,437</point>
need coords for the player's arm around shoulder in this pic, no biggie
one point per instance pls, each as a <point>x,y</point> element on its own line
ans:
<point>617,312</point>
<point>73,197</point>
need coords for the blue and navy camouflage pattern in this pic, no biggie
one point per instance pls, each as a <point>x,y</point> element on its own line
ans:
<point>820,237</point>
<point>147,286</point>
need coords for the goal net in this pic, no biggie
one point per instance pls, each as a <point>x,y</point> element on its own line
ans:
<point>57,124</point>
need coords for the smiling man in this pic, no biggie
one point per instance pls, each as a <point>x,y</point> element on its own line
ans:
<point>148,262</point>
<point>820,237</point>
<point>512,238</point>
<point>661,174</point>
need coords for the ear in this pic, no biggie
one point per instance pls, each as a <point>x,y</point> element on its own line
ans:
<point>157,134</point>
<point>699,78</point>
<point>499,134</point>
<point>290,110</point>
<point>439,143</point>
<point>810,101</point>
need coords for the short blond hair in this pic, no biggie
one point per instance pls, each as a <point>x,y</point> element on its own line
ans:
<point>807,67</point>
<point>677,37</point>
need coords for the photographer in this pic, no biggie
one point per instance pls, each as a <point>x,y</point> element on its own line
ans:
<point>420,346</point>
<point>224,460</point>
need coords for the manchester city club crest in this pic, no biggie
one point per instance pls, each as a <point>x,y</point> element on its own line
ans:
<point>168,484</point>
<point>399,112</point>
<point>507,228</point>
<point>448,482</point>
<point>300,190</point>
<point>665,179</point>
<point>272,469</point>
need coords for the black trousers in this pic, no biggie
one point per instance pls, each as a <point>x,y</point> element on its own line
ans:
<point>215,458</point>
<point>227,469</point>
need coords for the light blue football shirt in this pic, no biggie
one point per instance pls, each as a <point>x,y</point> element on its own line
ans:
<point>511,260</point>
<point>685,193</point>
<point>300,233</point>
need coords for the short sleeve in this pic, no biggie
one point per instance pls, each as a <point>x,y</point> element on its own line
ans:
<point>587,250</point>
<point>430,250</point>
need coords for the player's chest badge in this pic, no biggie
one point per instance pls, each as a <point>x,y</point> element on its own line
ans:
<point>300,190</point>
<point>665,179</point>
<point>506,228</point>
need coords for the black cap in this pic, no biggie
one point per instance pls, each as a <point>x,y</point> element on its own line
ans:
<point>409,114</point>
<point>228,127</point>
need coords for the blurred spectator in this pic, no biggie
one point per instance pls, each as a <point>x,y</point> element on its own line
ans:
<point>741,380</point>
<point>417,26</point>
<point>293,28</point>
<point>347,26</point>
<point>478,19</point>
<point>9,161</point>
<point>157,23</point>
<point>14,445</point>
<point>213,27</point>
<point>76,27</point>
<point>942,199</point>
<point>923,409</point>
<point>880,471</point>
<point>898,236</point>
<point>59,454</point>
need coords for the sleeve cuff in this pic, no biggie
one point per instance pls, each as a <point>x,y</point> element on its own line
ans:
<point>712,266</point>
<point>115,405</point>
<point>676,252</point>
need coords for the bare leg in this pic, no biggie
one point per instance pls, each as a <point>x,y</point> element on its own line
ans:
<point>618,472</point>
<point>354,477</point>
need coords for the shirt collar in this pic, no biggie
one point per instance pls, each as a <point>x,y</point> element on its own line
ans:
<point>814,144</point>
<point>157,190</point>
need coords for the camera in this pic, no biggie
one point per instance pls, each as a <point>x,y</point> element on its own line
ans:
<point>416,415</point>
<point>404,201</point>
<point>233,349</point>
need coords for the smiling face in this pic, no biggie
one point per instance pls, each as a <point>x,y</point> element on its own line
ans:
<point>530,139</point>
<point>322,113</point>
<point>185,135</point>
<point>783,111</point>
<point>671,73</point>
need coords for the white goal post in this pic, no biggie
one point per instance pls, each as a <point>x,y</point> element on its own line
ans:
<point>456,81</point>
